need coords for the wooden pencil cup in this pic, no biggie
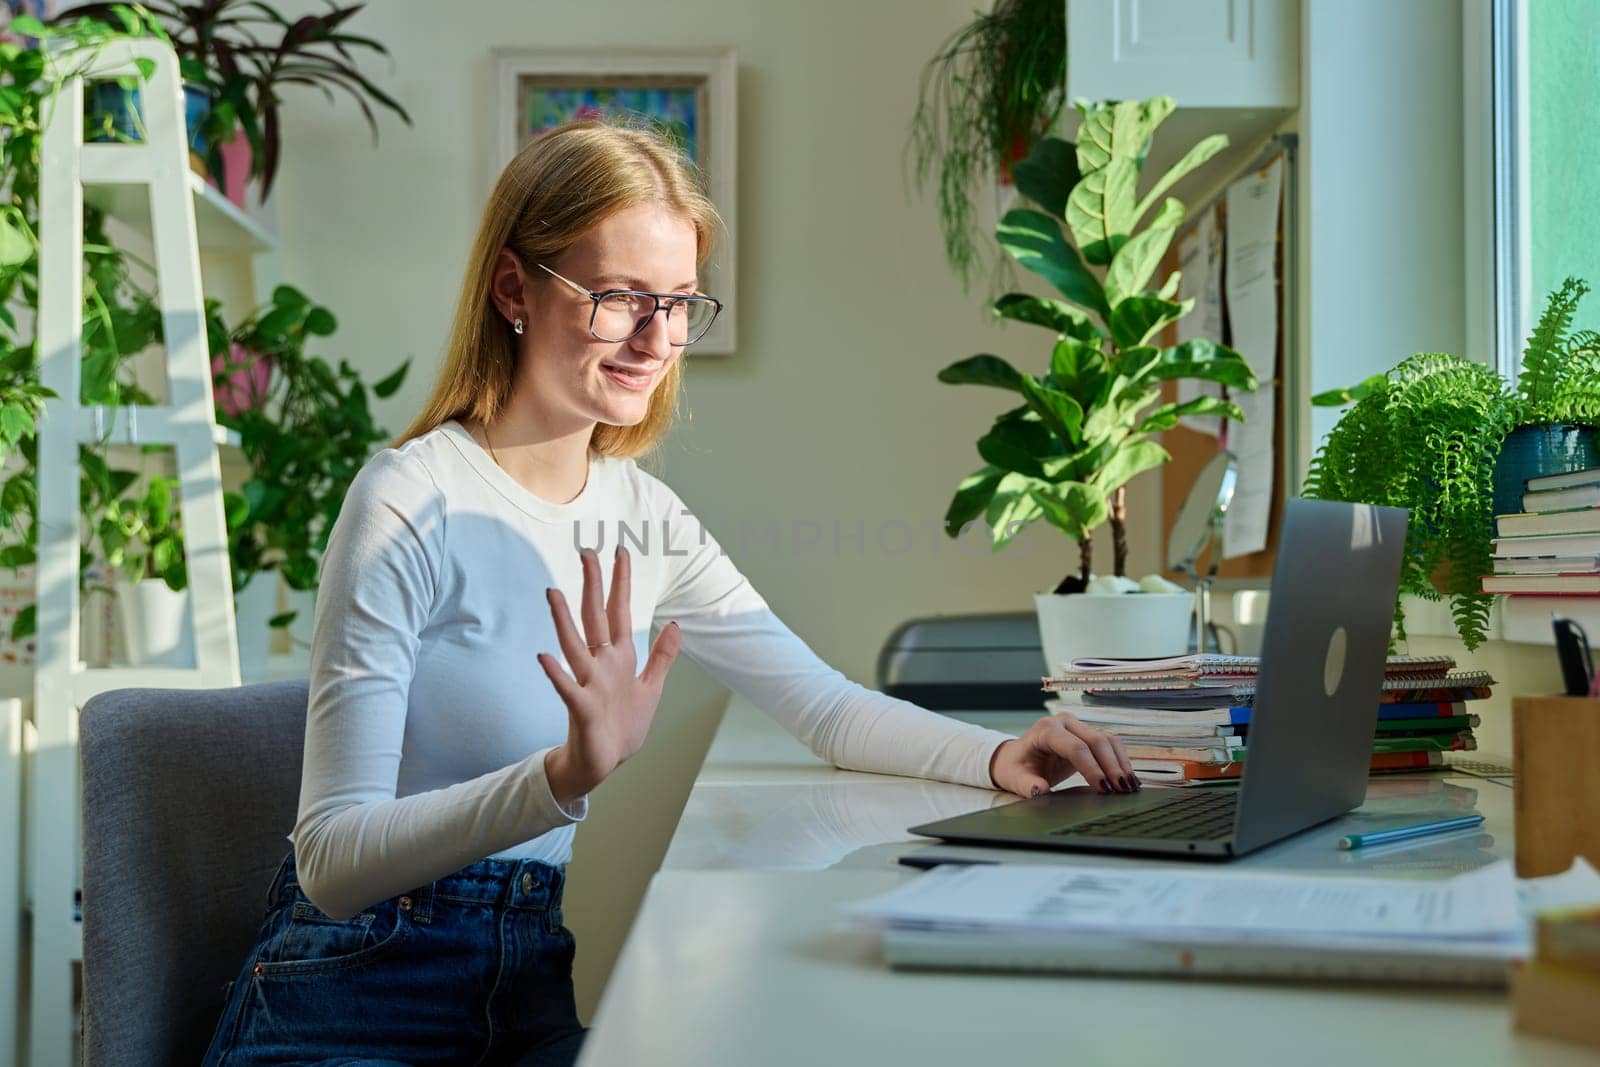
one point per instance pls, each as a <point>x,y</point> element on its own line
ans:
<point>1555,745</point>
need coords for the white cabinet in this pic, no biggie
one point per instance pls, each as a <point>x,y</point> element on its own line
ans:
<point>1203,53</point>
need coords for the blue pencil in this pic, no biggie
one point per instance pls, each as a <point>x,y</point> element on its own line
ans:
<point>1400,833</point>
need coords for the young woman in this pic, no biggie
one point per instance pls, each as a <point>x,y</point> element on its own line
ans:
<point>460,715</point>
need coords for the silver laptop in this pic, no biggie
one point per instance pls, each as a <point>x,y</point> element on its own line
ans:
<point>1311,730</point>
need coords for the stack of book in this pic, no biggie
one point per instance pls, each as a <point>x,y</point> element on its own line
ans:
<point>1552,547</point>
<point>1186,720</point>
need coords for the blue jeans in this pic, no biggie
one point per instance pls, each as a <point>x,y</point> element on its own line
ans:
<point>473,969</point>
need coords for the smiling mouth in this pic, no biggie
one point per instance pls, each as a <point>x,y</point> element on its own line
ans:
<point>636,380</point>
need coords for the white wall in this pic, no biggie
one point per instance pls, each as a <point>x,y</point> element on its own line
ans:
<point>830,411</point>
<point>1381,126</point>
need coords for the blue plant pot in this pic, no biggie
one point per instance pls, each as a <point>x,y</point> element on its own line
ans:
<point>127,116</point>
<point>1534,451</point>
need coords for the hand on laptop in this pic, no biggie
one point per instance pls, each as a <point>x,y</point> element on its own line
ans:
<point>1055,747</point>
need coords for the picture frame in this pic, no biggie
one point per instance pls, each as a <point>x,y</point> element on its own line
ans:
<point>693,91</point>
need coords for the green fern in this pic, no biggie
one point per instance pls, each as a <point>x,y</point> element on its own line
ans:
<point>1446,417</point>
<point>1552,386</point>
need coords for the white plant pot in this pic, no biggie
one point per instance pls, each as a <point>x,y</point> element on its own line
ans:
<point>256,604</point>
<point>156,627</point>
<point>1075,625</point>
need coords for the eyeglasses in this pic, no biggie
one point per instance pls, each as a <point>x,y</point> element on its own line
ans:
<point>621,314</point>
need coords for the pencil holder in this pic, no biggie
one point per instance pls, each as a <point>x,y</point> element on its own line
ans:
<point>1555,745</point>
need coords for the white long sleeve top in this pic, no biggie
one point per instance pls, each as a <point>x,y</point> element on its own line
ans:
<point>429,715</point>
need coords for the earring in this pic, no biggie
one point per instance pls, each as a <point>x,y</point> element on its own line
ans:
<point>517,326</point>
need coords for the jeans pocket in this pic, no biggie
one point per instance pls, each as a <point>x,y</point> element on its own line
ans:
<point>306,941</point>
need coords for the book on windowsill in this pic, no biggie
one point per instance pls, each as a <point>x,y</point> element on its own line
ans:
<point>1549,584</point>
<point>1548,565</point>
<point>1570,521</point>
<point>1576,496</point>
<point>1543,546</point>
<point>1565,480</point>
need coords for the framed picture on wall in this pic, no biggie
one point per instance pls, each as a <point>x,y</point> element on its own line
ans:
<point>690,94</point>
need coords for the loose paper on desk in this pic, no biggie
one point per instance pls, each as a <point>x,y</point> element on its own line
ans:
<point>1252,291</point>
<point>1481,907</point>
<point>1200,260</point>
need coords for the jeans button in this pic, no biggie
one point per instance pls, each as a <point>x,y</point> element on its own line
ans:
<point>527,883</point>
<point>405,903</point>
<point>258,970</point>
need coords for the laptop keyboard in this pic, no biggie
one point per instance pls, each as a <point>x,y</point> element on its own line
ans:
<point>1186,816</point>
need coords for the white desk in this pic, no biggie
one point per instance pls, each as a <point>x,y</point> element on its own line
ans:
<point>739,957</point>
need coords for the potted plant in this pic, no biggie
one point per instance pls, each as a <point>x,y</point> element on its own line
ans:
<point>992,91</point>
<point>1087,425</point>
<point>1447,439</point>
<point>306,433</point>
<point>119,318</point>
<point>246,52</point>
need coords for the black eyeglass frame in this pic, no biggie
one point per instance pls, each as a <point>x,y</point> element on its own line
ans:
<point>666,300</point>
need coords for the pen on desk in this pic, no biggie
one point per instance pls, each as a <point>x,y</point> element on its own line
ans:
<point>1400,833</point>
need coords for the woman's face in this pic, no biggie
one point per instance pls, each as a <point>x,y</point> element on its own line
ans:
<point>563,368</point>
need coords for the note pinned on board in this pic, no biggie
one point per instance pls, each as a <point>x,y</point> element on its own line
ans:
<point>1200,260</point>
<point>1254,203</point>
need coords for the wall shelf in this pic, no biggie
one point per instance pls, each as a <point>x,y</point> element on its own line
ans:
<point>219,223</point>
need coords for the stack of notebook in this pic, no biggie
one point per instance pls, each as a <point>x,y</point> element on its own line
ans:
<point>1551,548</point>
<point>1186,720</point>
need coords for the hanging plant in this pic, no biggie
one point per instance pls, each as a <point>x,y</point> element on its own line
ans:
<point>993,90</point>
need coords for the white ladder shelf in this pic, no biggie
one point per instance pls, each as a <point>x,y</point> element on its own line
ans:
<point>187,422</point>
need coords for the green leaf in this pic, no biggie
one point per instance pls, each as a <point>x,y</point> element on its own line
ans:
<point>17,556</point>
<point>1133,457</point>
<point>1110,130</point>
<point>1073,507</point>
<point>389,385</point>
<point>15,423</point>
<point>1076,367</point>
<point>289,298</point>
<point>1012,508</point>
<point>1014,444</point>
<point>1060,413</point>
<point>1191,159</point>
<point>15,248</point>
<point>1034,240</point>
<point>1334,398</point>
<point>1138,259</point>
<point>1051,314</point>
<point>236,509</point>
<point>1137,318</point>
<point>983,370</point>
<point>164,553</point>
<point>27,26</point>
<point>1100,210</point>
<point>1166,416</point>
<point>1206,360</point>
<point>1048,174</point>
<point>26,622</point>
<point>278,622</point>
<point>971,499</point>
<point>320,322</point>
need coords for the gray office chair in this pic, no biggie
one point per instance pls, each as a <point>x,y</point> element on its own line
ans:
<point>188,800</point>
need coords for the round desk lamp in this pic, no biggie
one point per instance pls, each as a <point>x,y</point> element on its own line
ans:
<point>1200,524</point>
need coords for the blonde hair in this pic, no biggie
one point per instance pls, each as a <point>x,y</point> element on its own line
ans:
<point>560,186</point>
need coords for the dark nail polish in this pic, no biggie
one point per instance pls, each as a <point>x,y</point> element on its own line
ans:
<point>1136,783</point>
<point>1105,786</point>
<point>1035,792</point>
<point>1123,785</point>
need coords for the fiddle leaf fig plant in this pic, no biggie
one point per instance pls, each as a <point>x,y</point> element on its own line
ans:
<point>1088,425</point>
